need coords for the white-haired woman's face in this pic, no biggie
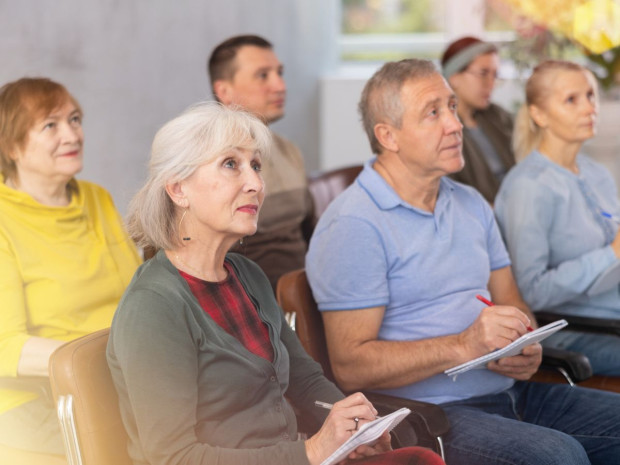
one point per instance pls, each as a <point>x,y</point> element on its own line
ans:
<point>225,195</point>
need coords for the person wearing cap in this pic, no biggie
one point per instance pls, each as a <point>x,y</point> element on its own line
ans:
<point>470,67</point>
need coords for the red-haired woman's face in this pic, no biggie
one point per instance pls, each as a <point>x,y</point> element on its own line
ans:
<point>53,148</point>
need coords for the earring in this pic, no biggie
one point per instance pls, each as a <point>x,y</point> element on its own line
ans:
<point>241,241</point>
<point>185,238</point>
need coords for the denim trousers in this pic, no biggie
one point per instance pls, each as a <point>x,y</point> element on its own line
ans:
<point>603,350</point>
<point>535,424</point>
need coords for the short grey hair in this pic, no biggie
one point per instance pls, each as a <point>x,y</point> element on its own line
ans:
<point>381,100</point>
<point>199,135</point>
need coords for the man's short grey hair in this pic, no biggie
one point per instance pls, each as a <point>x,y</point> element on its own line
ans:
<point>200,134</point>
<point>381,100</point>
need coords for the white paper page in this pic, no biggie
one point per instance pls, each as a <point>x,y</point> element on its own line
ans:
<point>367,433</point>
<point>607,280</point>
<point>511,349</point>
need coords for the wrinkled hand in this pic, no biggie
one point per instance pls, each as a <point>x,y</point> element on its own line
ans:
<point>520,367</point>
<point>495,328</point>
<point>340,426</point>
<point>383,444</point>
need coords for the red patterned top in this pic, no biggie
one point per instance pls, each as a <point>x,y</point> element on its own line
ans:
<point>231,308</point>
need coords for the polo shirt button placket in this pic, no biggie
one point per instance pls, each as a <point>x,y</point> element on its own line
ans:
<point>272,379</point>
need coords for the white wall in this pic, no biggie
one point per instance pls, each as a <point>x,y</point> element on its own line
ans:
<point>135,64</point>
<point>343,140</point>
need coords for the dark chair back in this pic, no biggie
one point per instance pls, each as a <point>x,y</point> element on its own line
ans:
<point>428,422</point>
<point>294,295</point>
<point>324,187</point>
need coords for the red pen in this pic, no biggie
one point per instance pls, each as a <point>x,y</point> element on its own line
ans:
<point>490,304</point>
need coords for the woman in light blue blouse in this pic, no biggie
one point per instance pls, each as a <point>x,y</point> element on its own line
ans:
<point>557,210</point>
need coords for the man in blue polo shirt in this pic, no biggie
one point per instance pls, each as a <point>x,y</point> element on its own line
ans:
<point>396,263</point>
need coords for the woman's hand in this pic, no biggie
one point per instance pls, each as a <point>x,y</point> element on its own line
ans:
<point>615,244</point>
<point>35,356</point>
<point>340,425</point>
<point>383,444</point>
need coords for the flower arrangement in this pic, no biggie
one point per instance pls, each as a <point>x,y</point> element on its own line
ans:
<point>579,30</point>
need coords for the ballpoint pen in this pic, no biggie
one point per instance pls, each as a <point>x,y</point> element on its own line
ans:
<point>610,216</point>
<point>327,406</point>
<point>491,304</point>
<point>324,405</point>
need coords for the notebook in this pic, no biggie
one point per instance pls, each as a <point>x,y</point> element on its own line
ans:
<point>367,434</point>
<point>511,349</point>
<point>608,279</point>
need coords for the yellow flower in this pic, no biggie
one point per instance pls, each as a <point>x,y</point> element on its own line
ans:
<point>595,24</point>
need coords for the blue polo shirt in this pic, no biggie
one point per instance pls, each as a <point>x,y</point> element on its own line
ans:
<point>370,249</point>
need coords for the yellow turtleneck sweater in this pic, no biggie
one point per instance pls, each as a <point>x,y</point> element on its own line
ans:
<point>62,271</point>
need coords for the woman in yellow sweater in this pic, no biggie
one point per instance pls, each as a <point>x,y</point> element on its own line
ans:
<point>65,258</point>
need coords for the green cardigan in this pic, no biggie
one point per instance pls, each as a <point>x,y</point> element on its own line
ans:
<point>190,393</point>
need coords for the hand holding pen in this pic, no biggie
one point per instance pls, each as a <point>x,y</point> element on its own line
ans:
<point>521,366</point>
<point>495,327</point>
<point>491,304</point>
<point>344,418</point>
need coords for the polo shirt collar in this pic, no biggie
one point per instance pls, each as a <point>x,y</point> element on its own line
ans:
<point>386,197</point>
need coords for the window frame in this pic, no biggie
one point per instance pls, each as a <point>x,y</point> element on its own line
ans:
<point>462,17</point>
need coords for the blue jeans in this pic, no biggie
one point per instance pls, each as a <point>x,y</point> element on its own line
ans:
<point>535,424</point>
<point>603,350</point>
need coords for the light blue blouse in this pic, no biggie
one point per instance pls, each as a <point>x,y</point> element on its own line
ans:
<point>557,236</point>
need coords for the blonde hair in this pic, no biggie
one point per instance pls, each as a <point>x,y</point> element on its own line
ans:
<point>199,135</point>
<point>527,134</point>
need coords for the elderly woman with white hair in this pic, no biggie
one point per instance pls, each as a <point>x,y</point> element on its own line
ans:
<point>200,353</point>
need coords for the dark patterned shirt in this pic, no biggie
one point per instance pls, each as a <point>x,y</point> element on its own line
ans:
<point>227,303</point>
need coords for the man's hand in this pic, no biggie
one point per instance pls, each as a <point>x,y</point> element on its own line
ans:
<point>495,328</point>
<point>520,367</point>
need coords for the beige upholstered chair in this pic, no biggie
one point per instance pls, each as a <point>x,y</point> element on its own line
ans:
<point>87,402</point>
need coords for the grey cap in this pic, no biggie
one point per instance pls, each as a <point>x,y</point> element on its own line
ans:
<point>461,59</point>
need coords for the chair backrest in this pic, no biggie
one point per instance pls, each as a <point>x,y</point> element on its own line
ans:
<point>429,422</point>
<point>324,187</point>
<point>294,295</point>
<point>87,402</point>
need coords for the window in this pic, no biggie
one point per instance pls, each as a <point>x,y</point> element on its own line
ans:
<point>380,30</point>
